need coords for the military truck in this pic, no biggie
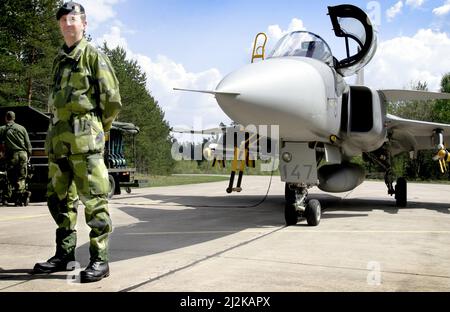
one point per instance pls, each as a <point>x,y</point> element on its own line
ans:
<point>36,123</point>
<point>120,175</point>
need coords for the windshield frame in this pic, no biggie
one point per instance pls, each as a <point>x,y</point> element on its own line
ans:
<point>289,50</point>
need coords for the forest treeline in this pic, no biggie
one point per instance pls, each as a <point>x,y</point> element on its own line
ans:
<point>30,39</point>
<point>29,42</point>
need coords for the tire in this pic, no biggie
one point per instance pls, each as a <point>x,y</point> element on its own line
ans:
<point>38,195</point>
<point>290,213</point>
<point>289,195</point>
<point>128,190</point>
<point>313,212</point>
<point>112,186</point>
<point>401,193</point>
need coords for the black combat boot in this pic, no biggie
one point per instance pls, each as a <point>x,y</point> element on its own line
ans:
<point>95,271</point>
<point>55,264</point>
<point>26,198</point>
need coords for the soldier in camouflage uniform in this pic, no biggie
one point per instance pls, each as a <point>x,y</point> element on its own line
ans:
<point>84,102</point>
<point>17,151</point>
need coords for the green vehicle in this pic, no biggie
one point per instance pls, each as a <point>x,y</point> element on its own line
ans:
<point>120,175</point>
<point>36,123</point>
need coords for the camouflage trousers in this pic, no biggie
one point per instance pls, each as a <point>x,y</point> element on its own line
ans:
<point>17,173</point>
<point>87,176</point>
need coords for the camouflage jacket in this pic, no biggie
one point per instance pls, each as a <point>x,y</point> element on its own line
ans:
<point>84,101</point>
<point>15,137</point>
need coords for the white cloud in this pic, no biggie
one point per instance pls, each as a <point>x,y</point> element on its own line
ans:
<point>113,39</point>
<point>394,10</point>
<point>181,109</point>
<point>442,10</point>
<point>99,11</point>
<point>415,3</point>
<point>402,60</point>
<point>275,32</point>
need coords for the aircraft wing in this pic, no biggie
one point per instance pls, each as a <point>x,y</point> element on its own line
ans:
<point>204,131</point>
<point>413,95</point>
<point>413,135</point>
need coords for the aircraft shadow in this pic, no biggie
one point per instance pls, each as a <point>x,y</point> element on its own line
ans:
<point>195,221</point>
<point>370,204</point>
<point>160,229</point>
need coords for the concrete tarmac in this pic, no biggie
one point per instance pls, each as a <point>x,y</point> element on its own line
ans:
<point>196,238</point>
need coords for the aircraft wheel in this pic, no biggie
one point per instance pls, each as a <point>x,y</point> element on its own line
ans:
<point>313,212</point>
<point>128,190</point>
<point>401,192</point>
<point>289,194</point>
<point>290,213</point>
<point>112,186</point>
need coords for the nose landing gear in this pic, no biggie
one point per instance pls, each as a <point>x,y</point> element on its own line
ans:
<point>297,207</point>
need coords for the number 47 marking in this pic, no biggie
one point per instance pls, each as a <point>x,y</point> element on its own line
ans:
<point>296,172</point>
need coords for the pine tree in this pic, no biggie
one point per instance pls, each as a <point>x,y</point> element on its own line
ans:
<point>441,111</point>
<point>29,40</point>
<point>140,108</point>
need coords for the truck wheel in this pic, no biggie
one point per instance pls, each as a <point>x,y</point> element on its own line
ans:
<point>112,186</point>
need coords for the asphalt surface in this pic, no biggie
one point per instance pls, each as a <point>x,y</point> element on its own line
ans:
<point>196,238</point>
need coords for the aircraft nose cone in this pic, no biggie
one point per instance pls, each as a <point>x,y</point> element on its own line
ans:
<point>280,91</point>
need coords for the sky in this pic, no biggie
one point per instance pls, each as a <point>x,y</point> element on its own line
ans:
<point>195,43</point>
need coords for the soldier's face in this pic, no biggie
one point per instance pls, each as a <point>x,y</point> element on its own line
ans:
<point>72,27</point>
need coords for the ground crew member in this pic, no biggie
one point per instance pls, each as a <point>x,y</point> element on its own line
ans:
<point>17,151</point>
<point>84,102</point>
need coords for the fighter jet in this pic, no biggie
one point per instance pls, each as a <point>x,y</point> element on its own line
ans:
<point>324,122</point>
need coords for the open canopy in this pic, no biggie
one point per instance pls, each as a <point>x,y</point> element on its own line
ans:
<point>353,24</point>
<point>349,22</point>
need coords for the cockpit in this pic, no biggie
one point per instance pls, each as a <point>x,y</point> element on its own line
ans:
<point>350,23</point>
<point>303,43</point>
